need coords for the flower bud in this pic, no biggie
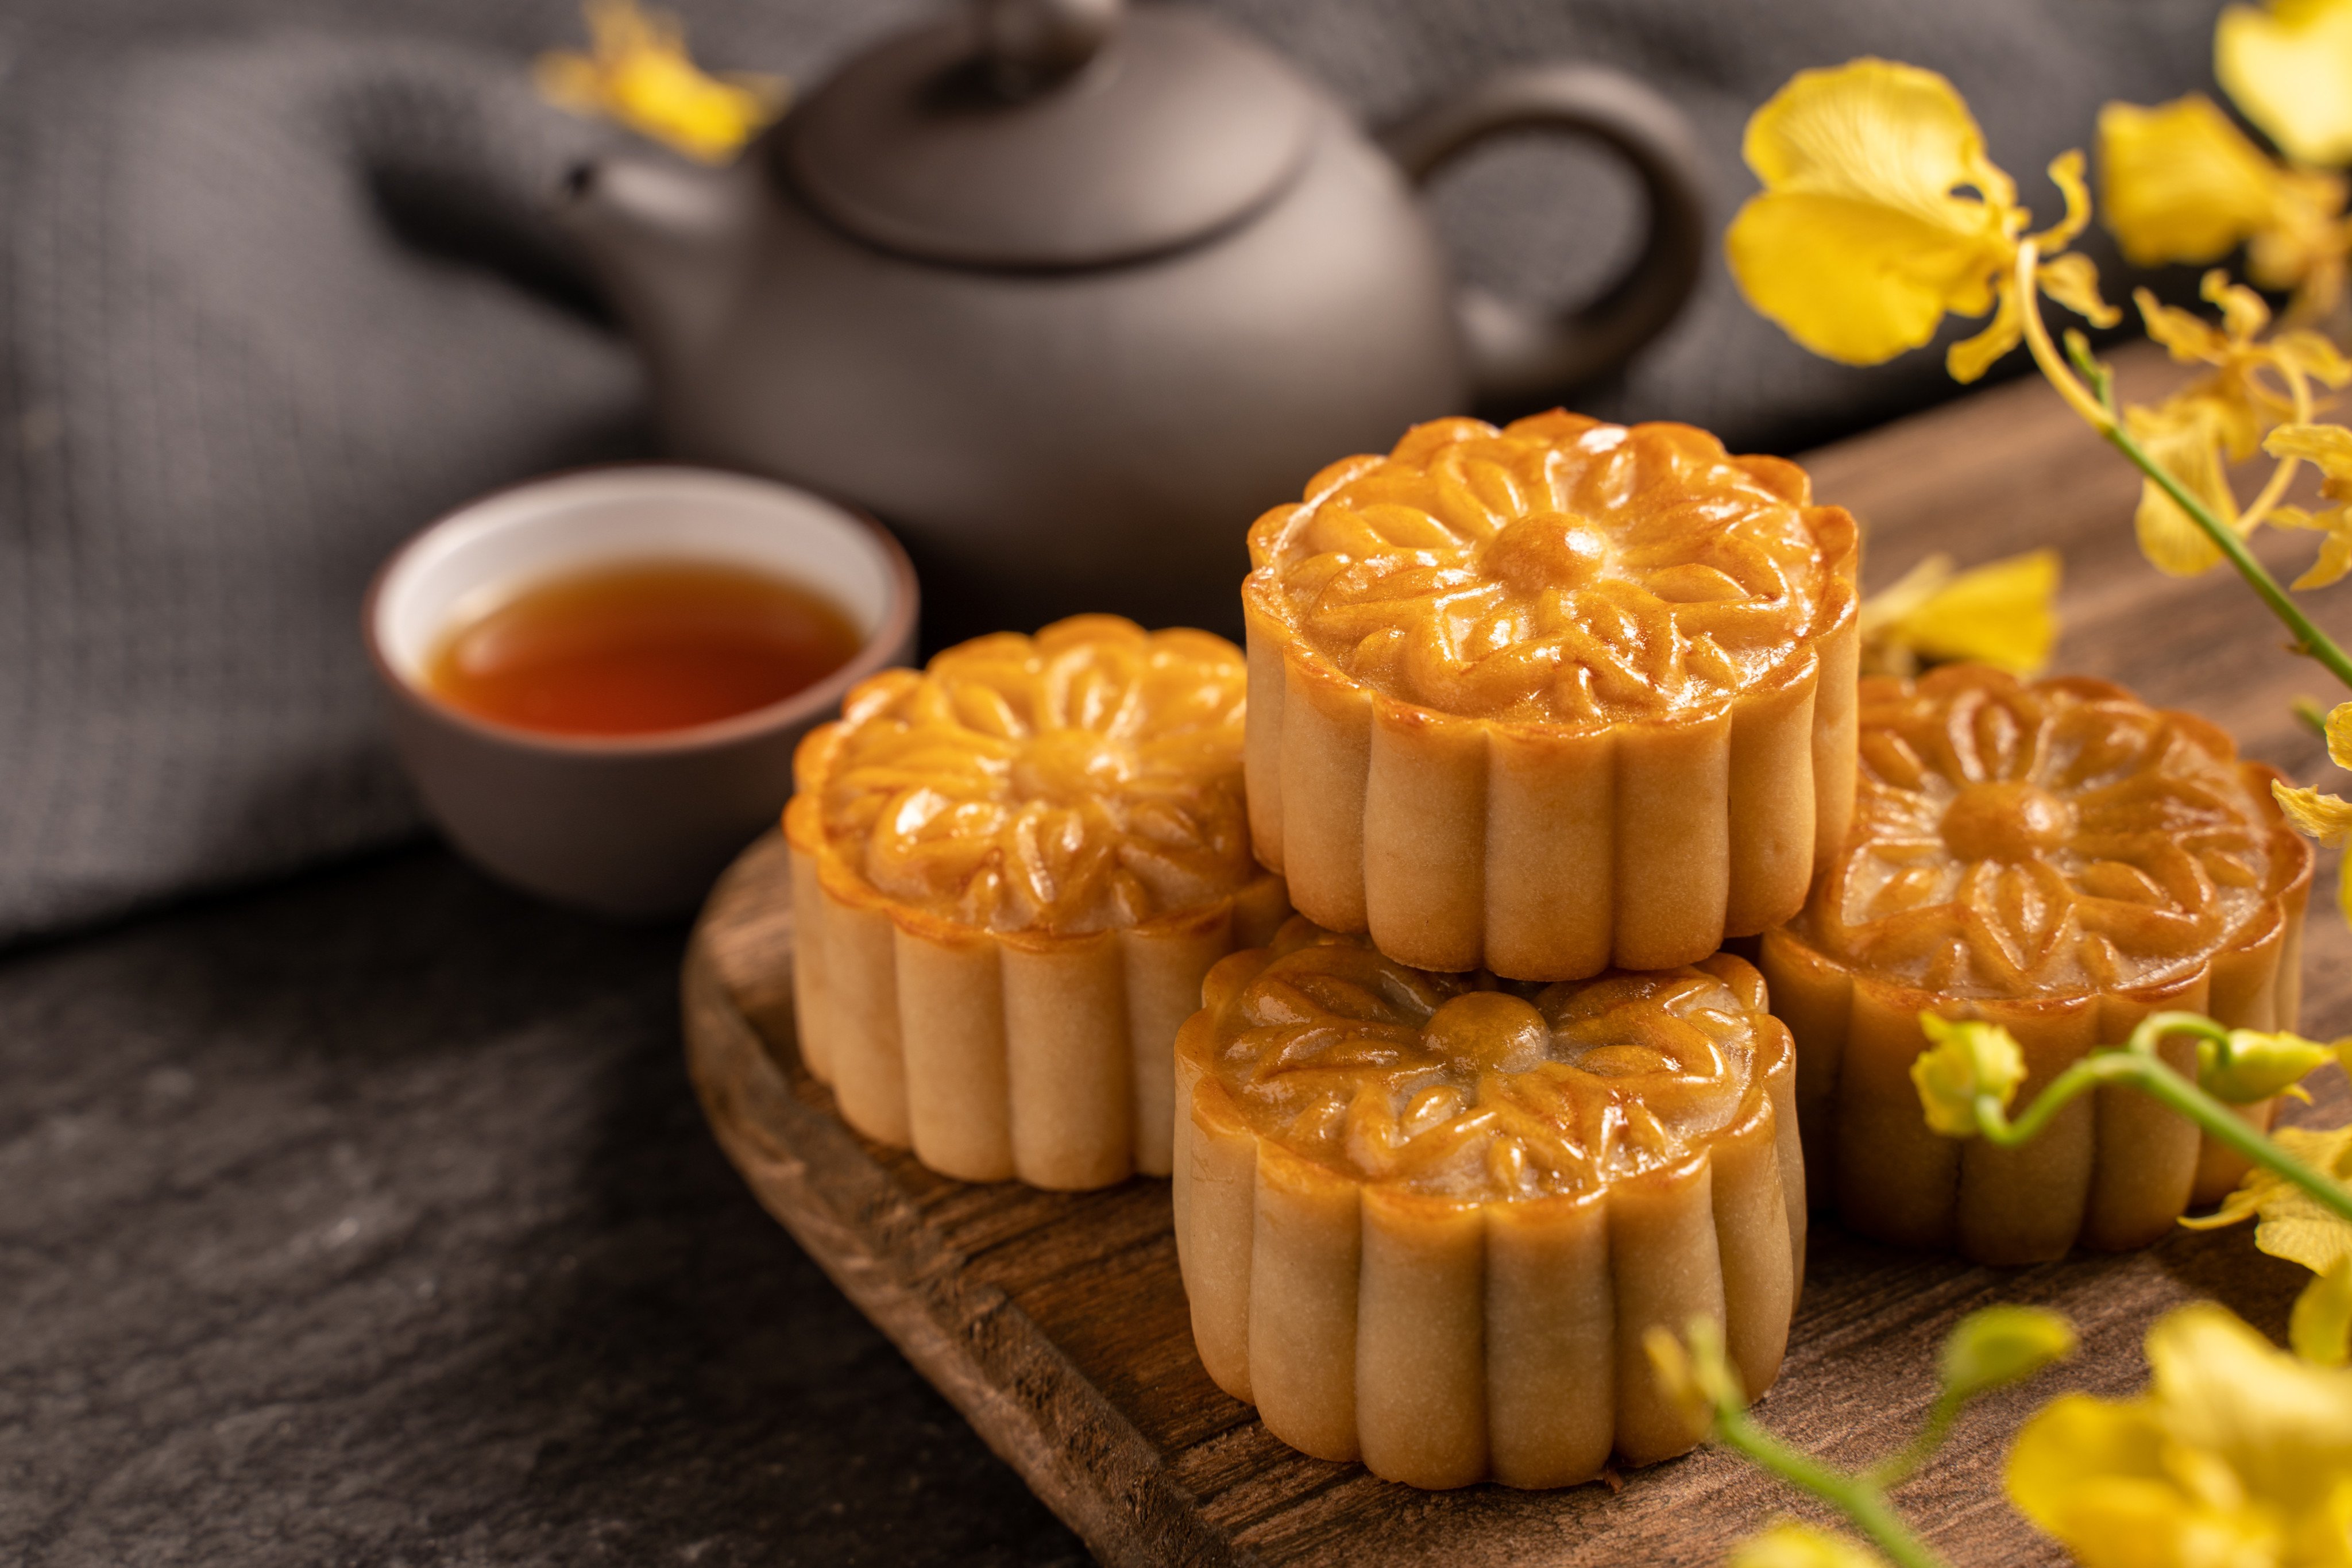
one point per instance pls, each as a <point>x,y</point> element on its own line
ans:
<point>2252,1065</point>
<point>1964,1059</point>
<point>1699,1380</point>
<point>1790,1544</point>
<point>2001,1345</point>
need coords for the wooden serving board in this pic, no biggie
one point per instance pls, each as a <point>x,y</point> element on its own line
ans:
<point>1058,1324</point>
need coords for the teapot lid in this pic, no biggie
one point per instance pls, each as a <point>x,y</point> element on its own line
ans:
<point>1049,133</point>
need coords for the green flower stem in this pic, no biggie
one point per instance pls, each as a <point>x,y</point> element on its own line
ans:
<point>2308,638</point>
<point>1861,1499</point>
<point>1899,1466</point>
<point>2135,1065</point>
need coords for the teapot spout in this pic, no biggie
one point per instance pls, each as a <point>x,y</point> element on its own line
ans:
<point>666,243</point>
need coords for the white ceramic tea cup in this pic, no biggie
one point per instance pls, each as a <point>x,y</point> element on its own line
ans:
<point>634,826</point>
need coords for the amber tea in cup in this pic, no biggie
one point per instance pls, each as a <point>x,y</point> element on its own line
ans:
<point>640,647</point>
<point>598,679</point>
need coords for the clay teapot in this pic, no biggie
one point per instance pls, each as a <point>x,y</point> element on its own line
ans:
<point>1067,294</point>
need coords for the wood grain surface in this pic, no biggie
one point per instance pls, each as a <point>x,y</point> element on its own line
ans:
<point>1057,1325</point>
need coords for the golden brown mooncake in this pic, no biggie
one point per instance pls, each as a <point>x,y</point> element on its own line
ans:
<point>1425,1218</point>
<point>2061,859</point>
<point>1550,697</point>
<point>1011,871</point>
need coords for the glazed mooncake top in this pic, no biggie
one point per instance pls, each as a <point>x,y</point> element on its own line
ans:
<point>1559,570</point>
<point>1465,1087</point>
<point>2013,840</point>
<point>1082,780</point>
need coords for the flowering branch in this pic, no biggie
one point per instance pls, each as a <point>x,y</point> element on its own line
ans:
<point>1969,1073</point>
<point>2097,404</point>
<point>1986,1350</point>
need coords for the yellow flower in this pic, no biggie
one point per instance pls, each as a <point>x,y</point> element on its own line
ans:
<point>2182,182</point>
<point>1790,1544</point>
<point>2003,613</point>
<point>2293,1224</point>
<point>2290,68</point>
<point>2328,449</point>
<point>2185,436</point>
<point>2197,432</point>
<point>639,75</point>
<point>2238,1456</point>
<point>1964,1059</point>
<point>1881,213</point>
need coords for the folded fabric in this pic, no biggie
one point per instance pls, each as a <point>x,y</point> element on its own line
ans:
<point>243,361</point>
<point>271,298</point>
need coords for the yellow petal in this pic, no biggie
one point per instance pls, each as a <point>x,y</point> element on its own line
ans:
<point>2066,173</point>
<point>1851,280</point>
<point>2243,312</point>
<point>2334,557</point>
<point>2240,1207</point>
<point>1859,244</point>
<point>2290,68</point>
<point>2295,1224</point>
<point>2074,1443</point>
<point>2180,181</point>
<point>2339,735</point>
<point>2282,1427</point>
<point>2187,337</point>
<point>2316,815</point>
<point>2183,436</point>
<point>2003,613</point>
<point>1969,358</point>
<point>2328,448</point>
<point>641,77</point>
<point>1874,130</point>
<point>2321,1329</point>
<point>2072,280</point>
<point>2313,354</point>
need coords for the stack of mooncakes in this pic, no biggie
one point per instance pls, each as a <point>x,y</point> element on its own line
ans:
<point>1537,719</point>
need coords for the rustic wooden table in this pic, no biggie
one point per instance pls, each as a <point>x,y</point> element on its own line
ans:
<point>1056,1323</point>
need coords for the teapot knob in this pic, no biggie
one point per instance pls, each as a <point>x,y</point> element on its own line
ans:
<point>1030,45</point>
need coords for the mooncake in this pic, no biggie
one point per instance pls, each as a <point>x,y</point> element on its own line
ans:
<point>1424,1218</point>
<point>1011,873</point>
<point>1550,697</point>
<point>2061,859</point>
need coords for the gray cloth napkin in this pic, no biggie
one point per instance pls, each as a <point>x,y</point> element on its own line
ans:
<point>274,291</point>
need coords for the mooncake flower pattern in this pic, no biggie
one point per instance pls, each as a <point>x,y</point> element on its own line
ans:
<point>1011,871</point>
<point>1424,1219</point>
<point>1460,1086</point>
<point>1559,569</point>
<point>2059,836</point>
<point>1087,778</point>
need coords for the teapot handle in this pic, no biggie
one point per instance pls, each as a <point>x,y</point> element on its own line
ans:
<point>1521,357</point>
